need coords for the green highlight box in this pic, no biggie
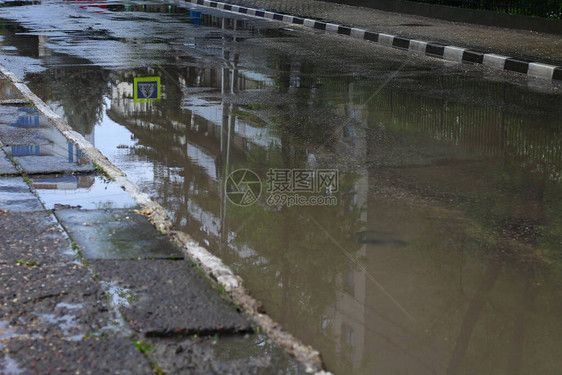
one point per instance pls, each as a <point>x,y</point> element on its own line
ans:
<point>146,89</point>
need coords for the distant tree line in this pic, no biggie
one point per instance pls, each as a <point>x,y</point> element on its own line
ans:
<point>540,8</point>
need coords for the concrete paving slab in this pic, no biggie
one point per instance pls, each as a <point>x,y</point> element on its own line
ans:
<point>49,302</point>
<point>32,237</point>
<point>46,164</point>
<point>15,196</point>
<point>25,285</point>
<point>55,356</point>
<point>6,166</point>
<point>115,234</point>
<point>165,297</point>
<point>245,354</point>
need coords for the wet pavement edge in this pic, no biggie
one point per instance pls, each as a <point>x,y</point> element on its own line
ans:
<point>211,265</point>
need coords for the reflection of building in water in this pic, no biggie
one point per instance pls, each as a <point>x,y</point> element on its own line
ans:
<point>64,182</point>
<point>43,139</point>
<point>122,94</point>
<point>208,115</point>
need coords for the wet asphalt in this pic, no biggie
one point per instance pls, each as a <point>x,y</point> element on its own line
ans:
<point>435,204</point>
<point>523,44</point>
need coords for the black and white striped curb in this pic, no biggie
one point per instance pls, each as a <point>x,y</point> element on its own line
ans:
<point>450,53</point>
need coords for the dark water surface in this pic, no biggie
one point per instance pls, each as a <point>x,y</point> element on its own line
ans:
<point>439,250</point>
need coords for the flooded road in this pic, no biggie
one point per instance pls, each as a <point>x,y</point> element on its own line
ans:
<point>408,212</point>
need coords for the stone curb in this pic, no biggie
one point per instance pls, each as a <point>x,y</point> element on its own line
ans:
<point>211,265</point>
<point>449,53</point>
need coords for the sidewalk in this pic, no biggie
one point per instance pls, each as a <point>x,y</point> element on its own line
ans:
<point>89,285</point>
<point>519,44</point>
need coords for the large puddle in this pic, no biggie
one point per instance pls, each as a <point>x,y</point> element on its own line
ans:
<point>409,215</point>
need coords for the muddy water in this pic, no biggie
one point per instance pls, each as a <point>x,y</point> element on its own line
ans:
<point>432,243</point>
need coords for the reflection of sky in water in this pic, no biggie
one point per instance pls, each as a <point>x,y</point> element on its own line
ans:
<point>66,323</point>
<point>118,296</point>
<point>11,367</point>
<point>67,191</point>
<point>5,331</point>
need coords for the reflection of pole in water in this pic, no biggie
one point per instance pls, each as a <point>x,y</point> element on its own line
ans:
<point>229,78</point>
<point>472,316</point>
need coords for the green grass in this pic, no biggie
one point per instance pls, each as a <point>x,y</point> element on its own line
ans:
<point>27,263</point>
<point>78,251</point>
<point>95,335</point>
<point>143,347</point>
<point>102,172</point>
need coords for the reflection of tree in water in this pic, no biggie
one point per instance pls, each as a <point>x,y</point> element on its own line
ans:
<point>79,90</point>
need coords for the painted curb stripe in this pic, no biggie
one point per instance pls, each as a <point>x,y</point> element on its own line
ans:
<point>435,49</point>
<point>494,61</point>
<point>319,25</point>
<point>344,30</point>
<point>473,57</point>
<point>418,46</point>
<point>451,53</point>
<point>401,42</point>
<point>298,20</point>
<point>541,70</point>
<point>358,33</point>
<point>516,66</point>
<point>309,23</point>
<point>386,40</point>
<point>371,36</point>
<point>332,28</point>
